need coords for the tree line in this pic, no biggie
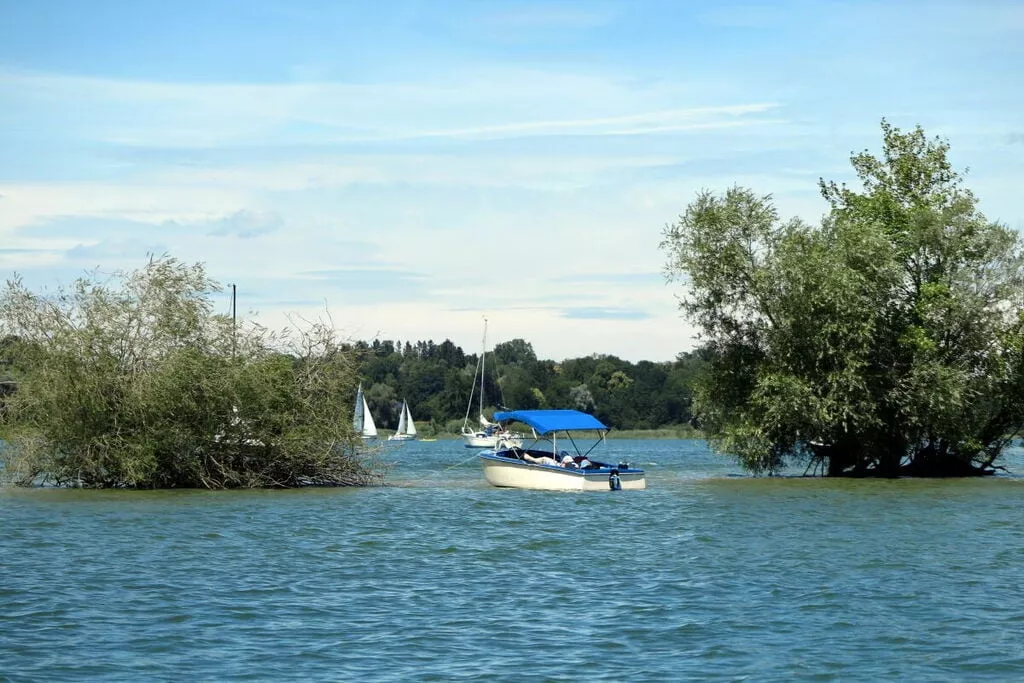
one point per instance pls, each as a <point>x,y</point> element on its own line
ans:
<point>438,381</point>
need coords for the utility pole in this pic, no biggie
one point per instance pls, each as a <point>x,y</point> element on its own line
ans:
<point>234,319</point>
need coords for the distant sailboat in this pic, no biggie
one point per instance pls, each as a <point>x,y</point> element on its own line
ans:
<point>406,427</point>
<point>362,421</point>
<point>490,435</point>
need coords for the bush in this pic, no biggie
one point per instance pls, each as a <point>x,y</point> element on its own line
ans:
<point>132,381</point>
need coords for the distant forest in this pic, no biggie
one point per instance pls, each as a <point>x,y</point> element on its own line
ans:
<point>437,380</point>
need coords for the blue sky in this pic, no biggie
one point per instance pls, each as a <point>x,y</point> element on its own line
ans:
<point>407,167</point>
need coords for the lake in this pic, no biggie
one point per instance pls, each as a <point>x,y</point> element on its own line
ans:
<point>706,575</point>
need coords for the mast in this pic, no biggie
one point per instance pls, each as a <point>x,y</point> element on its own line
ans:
<point>483,364</point>
<point>469,401</point>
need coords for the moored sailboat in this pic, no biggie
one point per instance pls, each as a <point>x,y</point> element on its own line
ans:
<point>489,435</point>
<point>406,427</point>
<point>362,420</point>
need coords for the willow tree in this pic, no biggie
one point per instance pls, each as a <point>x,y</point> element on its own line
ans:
<point>889,340</point>
<point>131,380</point>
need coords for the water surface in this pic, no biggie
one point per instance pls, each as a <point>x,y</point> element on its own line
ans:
<point>707,575</point>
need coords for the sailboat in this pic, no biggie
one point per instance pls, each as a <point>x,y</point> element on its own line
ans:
<point>406,427</point>
<point>362,420</point>
<point>489,435</point>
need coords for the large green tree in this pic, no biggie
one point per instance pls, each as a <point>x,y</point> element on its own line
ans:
<point>888,340</point>
<point>132,381</point>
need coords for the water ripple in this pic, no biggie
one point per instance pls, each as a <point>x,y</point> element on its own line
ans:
<point>703,576</point>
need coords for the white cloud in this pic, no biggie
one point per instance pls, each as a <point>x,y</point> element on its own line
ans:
<point>481,101</point>
<point>25,203</point>
<point>247,224</point>
<point>697,118</point>
<point>410,208</point>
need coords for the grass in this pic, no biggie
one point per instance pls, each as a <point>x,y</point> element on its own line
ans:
<point>675,432</point>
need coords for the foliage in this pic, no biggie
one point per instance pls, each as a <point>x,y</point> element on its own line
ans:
<point>885,341</point>
<point>437,380</point>
<point>131,381</point>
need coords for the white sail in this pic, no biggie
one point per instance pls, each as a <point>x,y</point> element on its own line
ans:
<point>401,420</point>
<point>410,426</point>
<point>357,416</point>
<point>369,428</point>
<point>406,427</point>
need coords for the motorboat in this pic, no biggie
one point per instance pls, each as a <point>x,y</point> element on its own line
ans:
<point>551,469</point>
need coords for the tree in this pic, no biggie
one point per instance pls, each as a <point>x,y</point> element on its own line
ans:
<point>518,391</point>
<point>885,341</point>
<point>515,352</point>
<point>385,405</point>
<point>679,384</point>
<point>438,380</point>
<point>131,381</point>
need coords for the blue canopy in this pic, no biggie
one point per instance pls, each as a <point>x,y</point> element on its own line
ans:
<point>545,421</point>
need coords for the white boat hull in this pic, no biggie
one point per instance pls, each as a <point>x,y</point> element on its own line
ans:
<point>480,440</point>
<point>402,437</point>
<point>510,473</point>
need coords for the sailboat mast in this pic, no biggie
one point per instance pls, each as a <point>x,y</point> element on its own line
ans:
<point>483,364</point>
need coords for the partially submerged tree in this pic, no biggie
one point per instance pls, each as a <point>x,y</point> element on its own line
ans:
<point>887,341</point>
<point>132,381</point>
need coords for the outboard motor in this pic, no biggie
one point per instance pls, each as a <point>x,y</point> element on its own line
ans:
<point>613,481</point>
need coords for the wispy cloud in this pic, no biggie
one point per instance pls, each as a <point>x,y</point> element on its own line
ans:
<point>699,118</point>
<point>597,313</point>
<point>248,224</point>
<point>27,203</point>
<point>85,228</point>
<point>365,286</point>
<point>496,102</point>
<point>121,254</point>
<point>22,260</point>
<point>611,278</point>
